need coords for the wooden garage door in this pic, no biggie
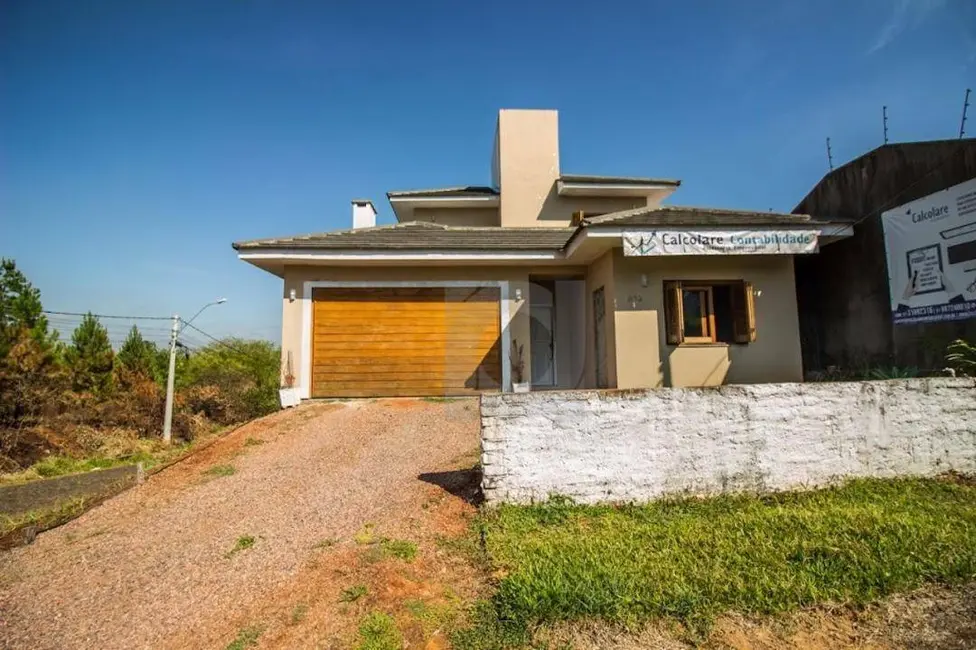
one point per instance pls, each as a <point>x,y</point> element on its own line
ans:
<point>405,341</point>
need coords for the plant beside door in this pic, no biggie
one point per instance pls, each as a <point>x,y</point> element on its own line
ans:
<point>288,393</point>
<point>517,358</point>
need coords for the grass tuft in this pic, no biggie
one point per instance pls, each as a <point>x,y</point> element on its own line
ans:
<point>365,535</point>
<point>692,559</point>
<point>378,631</point>
<point>298,613</point>
<point>253,442</point>
<point>399,548</point>
<point>353,593</point>
<point>486,629</point>
<point>243,543</point>
<point>328,542</point>
<point>220,470</point>
<point>246,638</point>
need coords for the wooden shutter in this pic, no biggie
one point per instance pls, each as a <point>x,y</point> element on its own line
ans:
<point>743,313</point>
<point>674,323</point>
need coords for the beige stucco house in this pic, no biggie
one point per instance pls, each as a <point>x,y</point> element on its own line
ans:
<point>544,279</point>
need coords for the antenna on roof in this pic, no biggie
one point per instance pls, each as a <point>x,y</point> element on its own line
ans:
<point>884,118</point>
<point>830,156</point>
<point>965,108</point>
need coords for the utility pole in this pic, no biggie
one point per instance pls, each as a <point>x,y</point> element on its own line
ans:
<point>170,380</point>
<point>171,377</point>
<point>965,108</point>
<point>884,118</point>
<point>830,156</point>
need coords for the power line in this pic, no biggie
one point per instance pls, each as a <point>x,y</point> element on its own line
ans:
<point>74,313</point>
<point>216,340</point>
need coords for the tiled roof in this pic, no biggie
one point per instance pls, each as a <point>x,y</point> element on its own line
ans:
<point>621,180</point>
<point>688,216</point>
<point>419,235</point>
<point>474,190</point>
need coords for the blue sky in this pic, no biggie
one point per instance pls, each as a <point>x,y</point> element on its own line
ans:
<point>138,139</point>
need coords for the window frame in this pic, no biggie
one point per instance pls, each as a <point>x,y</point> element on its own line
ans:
<point>743,312</point>
<point>708,315</point>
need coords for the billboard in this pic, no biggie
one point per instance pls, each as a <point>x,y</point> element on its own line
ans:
<point>930,245</point>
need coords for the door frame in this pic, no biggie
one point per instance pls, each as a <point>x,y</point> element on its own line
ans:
<point>305,379</point>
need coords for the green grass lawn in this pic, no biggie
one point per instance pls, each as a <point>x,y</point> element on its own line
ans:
<point>692,559</point>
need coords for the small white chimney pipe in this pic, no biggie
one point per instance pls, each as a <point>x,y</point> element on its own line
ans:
<point>363,214</point>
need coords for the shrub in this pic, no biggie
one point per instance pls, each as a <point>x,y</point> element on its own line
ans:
<point>245,375</point>
<point>961,357</point>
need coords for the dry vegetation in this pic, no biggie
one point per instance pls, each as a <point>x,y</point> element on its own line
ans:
<point>68,406</point>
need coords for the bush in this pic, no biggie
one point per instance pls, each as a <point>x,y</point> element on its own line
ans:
<point>81,399</point>
<point>961,357</point>
<point>233,380</point>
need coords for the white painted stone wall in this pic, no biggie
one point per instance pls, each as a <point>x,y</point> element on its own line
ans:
<point>622,446</point>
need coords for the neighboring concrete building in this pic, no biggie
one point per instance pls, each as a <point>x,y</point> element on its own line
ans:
<point>843,296</point>
<point>542,278</point>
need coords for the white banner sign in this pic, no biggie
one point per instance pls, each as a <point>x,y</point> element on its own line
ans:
<point>931,249</point>
<point>720,242</point>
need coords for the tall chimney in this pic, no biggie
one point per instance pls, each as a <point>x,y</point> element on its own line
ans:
<point>363,214</point>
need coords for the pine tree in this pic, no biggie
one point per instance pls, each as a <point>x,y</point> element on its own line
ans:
<point>89,357</point>
<point>20,309</point>
<point>137,354</point>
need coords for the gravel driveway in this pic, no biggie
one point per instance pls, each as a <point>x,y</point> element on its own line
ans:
<point>151,565</point>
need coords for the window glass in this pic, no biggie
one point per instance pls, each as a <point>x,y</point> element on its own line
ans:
<point>694,307</point>
<point>722,297</point>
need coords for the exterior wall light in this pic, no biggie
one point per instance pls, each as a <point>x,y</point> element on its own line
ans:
<point>644,280</point>
<point>291,295</point>
<point>518,294</point>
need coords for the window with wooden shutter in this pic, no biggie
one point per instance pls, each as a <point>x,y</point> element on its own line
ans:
<point>709,312</point>
<point>673,321</point>
<point>743,313</point>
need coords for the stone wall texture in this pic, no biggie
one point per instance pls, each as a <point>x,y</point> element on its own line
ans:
<point>621,446</point>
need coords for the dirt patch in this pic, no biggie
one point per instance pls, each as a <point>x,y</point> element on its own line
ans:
<point>298,501</point>
<point>424,595</point>
<point>932,618</point>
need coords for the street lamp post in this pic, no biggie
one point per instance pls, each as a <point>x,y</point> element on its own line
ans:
<point>171,375</point>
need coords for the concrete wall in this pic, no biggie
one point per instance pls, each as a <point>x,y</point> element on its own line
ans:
<point>845,308</point>
<point>644,358</point>
<point>45,493</point>
<point>476,217</point>
<point>619,446</point>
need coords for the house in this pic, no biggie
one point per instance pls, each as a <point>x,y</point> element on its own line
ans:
<point>543,278</point>
<point>843,293</point>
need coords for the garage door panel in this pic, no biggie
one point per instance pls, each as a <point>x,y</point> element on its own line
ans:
<point>430,374</point>
<point>413,392</point>
<point>436,362</point>
<point>473,357</point>
<point>398,386</point>
<point>450,336</point>
<point>405,341</point>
